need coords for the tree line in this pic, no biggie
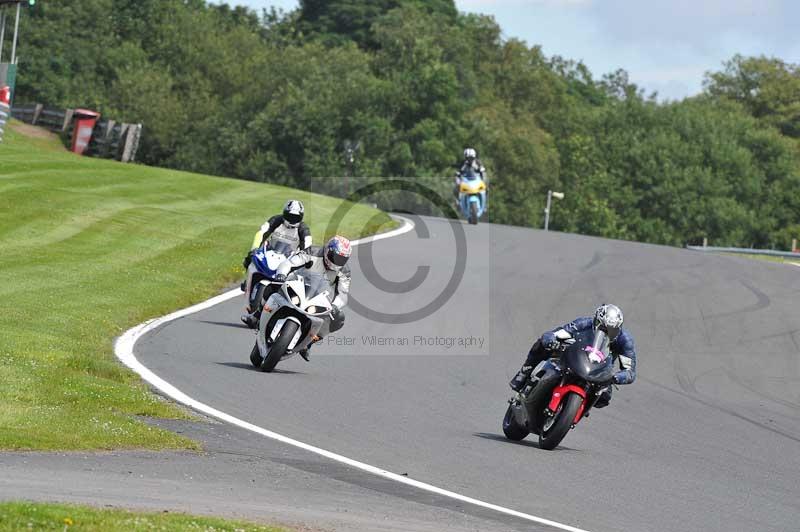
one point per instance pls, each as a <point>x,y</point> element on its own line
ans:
<point>274,96</point>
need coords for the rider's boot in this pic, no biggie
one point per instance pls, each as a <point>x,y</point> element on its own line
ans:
<point>304,352</point>
<point>519,380</point>
<point>249,319</point>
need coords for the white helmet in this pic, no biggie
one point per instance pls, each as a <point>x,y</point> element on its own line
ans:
<point>470,154</point>
<point>293,213</point>
<point>608,318</point>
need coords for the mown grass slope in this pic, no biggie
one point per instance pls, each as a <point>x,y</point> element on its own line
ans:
<point>62,517</point>
<point>89,248</point>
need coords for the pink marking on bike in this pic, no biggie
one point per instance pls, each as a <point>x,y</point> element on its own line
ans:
<point>596,352</point>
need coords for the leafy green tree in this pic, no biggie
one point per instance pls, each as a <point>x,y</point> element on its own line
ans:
<point>275,98</point>
<point>338,21</point>
<point>768,87</point>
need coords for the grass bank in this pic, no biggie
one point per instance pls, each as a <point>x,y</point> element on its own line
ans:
<point>89,248</point>
<point>64,518</point>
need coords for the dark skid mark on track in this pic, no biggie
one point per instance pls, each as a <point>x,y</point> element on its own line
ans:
<point>349,475</point>
<point>738,380</point>
<point>762,301</point>
<point>592,263</point>
<point>729,411</point>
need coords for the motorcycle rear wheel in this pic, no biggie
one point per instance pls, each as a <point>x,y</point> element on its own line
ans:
<point>562,422</point>
<point>279,346</point>
<point>255,356</point>
<point>513,430</point>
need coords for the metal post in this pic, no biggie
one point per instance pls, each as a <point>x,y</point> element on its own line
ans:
<point>794,244</point>
<point>547,210</point>
<point>16,32</point>
<point>2,31</point>
<point>705,242</point>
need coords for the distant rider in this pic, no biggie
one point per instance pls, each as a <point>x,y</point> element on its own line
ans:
<point>471,161</point>
<point>330,261</point>
<point>286,227</point>
<point>607,318</point>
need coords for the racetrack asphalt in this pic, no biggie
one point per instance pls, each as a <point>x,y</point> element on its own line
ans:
<point>708,438</point>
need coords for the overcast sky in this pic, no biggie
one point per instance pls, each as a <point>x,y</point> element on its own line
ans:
<point>666,46</point>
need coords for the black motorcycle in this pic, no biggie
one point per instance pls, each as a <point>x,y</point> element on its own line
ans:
<point>561,391</point>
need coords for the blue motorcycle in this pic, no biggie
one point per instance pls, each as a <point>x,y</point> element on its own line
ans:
<point>472,196</point>
<point>263,267</point>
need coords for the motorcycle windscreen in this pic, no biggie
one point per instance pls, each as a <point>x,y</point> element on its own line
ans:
<point>315,284</point>
<point>470,175</point>
<point>282,247</point>
<point>590,358</point>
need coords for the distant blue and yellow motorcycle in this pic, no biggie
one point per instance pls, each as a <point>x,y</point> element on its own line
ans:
<point>472,195</point>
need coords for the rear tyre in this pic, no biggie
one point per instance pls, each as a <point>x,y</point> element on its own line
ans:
<point>255,356</point>
<point>279,346</point>
<point>473,213</point>
<point>512,429</point>
<point>553,431</point>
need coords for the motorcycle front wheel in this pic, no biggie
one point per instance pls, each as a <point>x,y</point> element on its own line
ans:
<point>279,346</point>
<point>473,213</point>
<point>556,427</point>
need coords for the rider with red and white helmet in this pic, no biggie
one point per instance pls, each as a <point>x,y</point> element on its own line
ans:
<point>330,261</point>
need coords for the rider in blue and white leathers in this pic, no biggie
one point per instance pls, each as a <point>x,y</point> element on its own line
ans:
<point>607,318</point>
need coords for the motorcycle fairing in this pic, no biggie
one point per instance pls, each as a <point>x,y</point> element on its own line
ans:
<point>309,294</point>
<point>472,189</point>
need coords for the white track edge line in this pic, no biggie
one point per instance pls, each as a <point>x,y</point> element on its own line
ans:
<point>123,349</point>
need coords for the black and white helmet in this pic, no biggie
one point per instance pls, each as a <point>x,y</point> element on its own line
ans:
<point>608,318</point>
<point>293,213</point>
<point>470,154</point>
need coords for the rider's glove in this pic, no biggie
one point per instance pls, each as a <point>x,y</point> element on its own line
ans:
<point>279,278</point>
<point>563,344</point>
<point>552,344</point>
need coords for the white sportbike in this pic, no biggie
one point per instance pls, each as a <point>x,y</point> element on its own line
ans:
<point>291,318</point>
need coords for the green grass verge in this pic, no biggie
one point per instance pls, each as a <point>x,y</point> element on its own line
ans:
<point>62,517</point>
<point>89,248</point>
<point>768,258</point>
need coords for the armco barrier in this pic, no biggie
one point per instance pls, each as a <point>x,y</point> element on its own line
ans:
<point>747,251</point>
<point>110,139</point>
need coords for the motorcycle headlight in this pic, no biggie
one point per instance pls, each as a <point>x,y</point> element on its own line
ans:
<point>293,297</point>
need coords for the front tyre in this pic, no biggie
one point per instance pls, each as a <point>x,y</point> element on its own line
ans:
<point>279,346</point>
<point>513,430</point>
<point>473,213</point>
<point>554,429</point>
